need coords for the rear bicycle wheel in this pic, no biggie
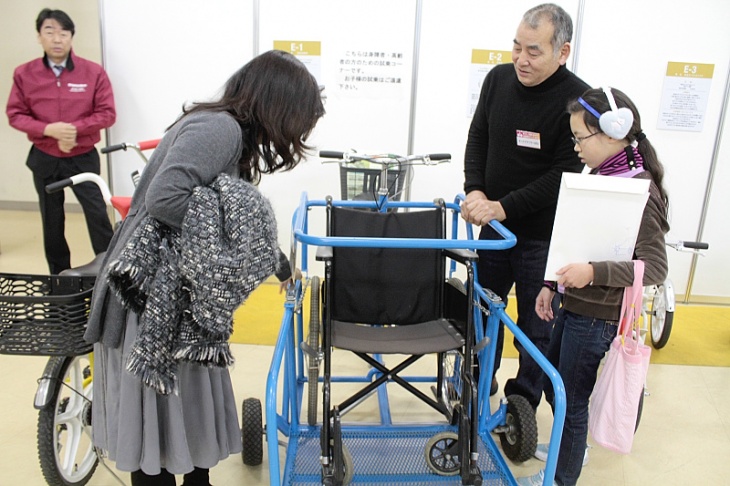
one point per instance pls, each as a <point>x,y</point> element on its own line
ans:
<point>65,450</point>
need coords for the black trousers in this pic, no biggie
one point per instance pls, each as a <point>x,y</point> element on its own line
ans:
<point>198,477</point>
<point>47,169</point>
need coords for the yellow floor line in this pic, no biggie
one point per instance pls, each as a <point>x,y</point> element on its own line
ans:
<point>700,335</point>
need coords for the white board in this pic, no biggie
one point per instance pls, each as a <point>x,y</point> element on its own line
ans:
<point>597,220</point>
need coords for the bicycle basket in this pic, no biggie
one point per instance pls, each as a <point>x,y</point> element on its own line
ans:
<point>357,183</point>
<point>44,315</point>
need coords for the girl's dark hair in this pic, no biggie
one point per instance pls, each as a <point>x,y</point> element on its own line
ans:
<point>277,102</point>
<point>596,98</point>
<point>59,16</point>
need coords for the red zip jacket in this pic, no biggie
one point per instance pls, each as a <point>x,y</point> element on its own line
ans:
<point>82,96</point>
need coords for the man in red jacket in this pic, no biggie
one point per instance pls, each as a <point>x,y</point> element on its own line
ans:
<point>63,102</point>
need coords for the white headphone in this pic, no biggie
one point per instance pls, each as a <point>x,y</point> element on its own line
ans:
<point>615,123</point>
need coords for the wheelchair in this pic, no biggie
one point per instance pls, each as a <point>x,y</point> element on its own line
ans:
<point>389,296</point>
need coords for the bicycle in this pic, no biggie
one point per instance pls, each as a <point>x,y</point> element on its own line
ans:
<point>659,301</point>
<point>359,181</point>
<point>46,315</point>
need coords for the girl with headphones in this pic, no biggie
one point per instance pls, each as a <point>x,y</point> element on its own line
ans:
<point>608,138</point>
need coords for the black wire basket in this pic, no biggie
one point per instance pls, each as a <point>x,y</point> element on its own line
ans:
<point>357,183</point>
<point>44,315</point>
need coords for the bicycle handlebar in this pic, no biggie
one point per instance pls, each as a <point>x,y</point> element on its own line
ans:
<point>694,245</point>
<point>383,158</point>
<point>144,145</point>
<point>78,179</point>
<point>57,186</point>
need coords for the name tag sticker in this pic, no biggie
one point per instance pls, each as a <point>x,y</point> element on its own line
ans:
<point>77,88</point>
<point>528,139</point>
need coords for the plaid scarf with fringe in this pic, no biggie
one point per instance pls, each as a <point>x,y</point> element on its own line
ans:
<point>185,285</point>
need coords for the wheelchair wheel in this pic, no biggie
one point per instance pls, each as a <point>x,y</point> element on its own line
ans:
<point>66,453</point>
<point>442,454</point>
<point>343,467</point>
<point>252,432</point>
<point>661,319</point>
<point>519,436</point>
<point>313,366</point>
<point>451,381</point>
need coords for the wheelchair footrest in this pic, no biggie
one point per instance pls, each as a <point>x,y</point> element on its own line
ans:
<point>393,455</point>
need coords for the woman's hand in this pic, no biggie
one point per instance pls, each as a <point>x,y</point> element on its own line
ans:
<point>286,283</point>
<point>544,304</point>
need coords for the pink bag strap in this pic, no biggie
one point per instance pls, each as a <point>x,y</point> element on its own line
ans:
<point>633,297</point>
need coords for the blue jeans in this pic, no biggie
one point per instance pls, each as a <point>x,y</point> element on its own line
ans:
<point>524,267</point>
<point>576,348</point>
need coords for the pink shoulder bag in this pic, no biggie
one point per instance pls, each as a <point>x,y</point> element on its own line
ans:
<point>614,403</point>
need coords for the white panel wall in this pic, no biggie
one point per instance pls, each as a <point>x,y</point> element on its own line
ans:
<point>627,44</point>
<point>371,119</point>
<point>710,282</point>
<point>449,32</point>
<point>164,53</point>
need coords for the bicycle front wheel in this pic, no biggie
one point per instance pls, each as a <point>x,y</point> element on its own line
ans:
<point>66,453</point>
<point>661,317</point>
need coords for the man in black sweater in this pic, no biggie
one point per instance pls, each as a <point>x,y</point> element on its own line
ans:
<point>518,147</point>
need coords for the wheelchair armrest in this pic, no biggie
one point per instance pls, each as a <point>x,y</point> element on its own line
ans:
<point>461,255</point>
<point>324,253</point>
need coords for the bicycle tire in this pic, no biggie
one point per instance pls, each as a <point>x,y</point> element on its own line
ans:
<point>313,341</point>
<point>65,451</point>
<point>661,319</point>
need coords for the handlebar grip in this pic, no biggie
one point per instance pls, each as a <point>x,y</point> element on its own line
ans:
<point>148,144</point>
<point>329,154</point>
<point>439,156</point>
<point>114,148</point>
<point>57,186</point>
<point>696,245</point>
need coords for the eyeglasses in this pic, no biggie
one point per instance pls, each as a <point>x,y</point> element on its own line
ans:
<point>578,140</point>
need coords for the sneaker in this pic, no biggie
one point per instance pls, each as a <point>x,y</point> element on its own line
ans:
<point>534,480</point>
<point>542,451</point>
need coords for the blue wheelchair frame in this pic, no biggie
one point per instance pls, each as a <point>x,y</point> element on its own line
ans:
<point>287,355</point>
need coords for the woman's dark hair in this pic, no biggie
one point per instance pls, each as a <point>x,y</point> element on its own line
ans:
<point>59,16</point>
<point>277,102</point>
<point>596,98</point>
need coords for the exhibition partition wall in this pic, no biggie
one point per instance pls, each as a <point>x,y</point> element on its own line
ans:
<point>402,77</point>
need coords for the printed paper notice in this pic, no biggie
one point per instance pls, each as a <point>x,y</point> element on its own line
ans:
<point>309,52</point>
<point>684,96</point>
<point>482,61</point>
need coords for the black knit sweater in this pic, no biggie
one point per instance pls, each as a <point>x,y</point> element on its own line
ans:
<point>524,180</point>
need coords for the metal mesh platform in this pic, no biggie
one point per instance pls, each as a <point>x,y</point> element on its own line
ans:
<point>387,457</point>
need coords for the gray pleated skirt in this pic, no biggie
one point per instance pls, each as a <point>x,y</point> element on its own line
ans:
<point>140,429</point>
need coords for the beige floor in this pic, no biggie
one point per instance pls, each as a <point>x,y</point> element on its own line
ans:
<point>684,437</point>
